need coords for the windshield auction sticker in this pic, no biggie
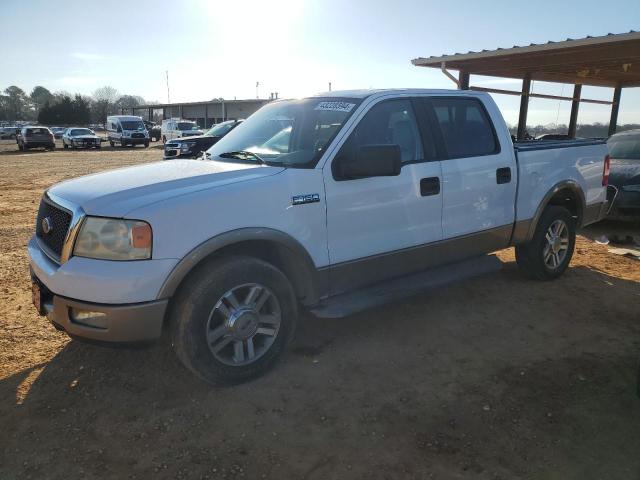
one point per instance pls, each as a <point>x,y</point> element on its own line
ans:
<point>335,106</point>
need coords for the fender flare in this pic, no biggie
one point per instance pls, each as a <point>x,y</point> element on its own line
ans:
<point>563,185</point>
<point>304,262</point>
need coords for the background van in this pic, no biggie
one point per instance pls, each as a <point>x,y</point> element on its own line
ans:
<point>127,130</point>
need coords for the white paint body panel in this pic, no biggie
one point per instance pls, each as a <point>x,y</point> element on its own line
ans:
<point>540,170</point>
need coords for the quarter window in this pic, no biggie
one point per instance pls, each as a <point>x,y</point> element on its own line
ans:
<point>466,129</point>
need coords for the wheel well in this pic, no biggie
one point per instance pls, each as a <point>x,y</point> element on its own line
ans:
<point>296,269</point>
<point>568,199</point>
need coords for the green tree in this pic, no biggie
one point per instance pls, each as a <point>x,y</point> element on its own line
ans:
<point>39,96</point>
<point>17,103</point>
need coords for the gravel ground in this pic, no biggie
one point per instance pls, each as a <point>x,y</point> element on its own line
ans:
<point>494,378</point>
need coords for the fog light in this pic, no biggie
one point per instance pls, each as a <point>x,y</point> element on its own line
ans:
<point>88,318</point>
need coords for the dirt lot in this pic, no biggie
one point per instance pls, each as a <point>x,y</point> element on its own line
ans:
<point>496,378</point>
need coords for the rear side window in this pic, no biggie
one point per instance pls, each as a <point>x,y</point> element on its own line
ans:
<point>466,128</point>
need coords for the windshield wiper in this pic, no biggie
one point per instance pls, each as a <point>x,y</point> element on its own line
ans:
<point>243,155</point>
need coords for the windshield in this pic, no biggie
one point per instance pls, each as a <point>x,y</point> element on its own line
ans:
<point>221,129</point>
<point>625,147</point>
<point>187,126</point>
<point>292,133</point>
<point>132,125</point>
<point>81,131</point>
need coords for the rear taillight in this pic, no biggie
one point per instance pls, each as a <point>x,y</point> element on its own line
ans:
<point>605,172</point>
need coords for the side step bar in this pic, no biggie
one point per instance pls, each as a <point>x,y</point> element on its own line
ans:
<point>403,287</point>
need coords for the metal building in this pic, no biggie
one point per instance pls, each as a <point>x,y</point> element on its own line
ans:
<point>606,61</point>
<point>205,113</point>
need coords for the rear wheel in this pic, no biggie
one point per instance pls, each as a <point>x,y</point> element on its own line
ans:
<point>233,319</point>
<point>64,145</point>
<point>549,252</point>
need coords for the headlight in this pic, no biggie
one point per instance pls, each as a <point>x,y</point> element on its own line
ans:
<point>113,239</point>
<point>631,188</point>
<point>186,146</point>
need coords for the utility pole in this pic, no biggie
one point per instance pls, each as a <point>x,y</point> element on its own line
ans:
<point>167,72</point>
<point>257,85</point>
<point>329,86</point>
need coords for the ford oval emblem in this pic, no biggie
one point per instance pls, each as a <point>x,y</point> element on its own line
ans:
<point>47,226</point>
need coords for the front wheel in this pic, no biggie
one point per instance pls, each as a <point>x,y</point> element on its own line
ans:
<point>232,319</point>
<point>146,144</point>
<point>549,252</point>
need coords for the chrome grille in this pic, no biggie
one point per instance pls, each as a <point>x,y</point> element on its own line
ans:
<point>59,219</point>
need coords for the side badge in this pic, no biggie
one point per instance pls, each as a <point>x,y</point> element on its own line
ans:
<point>302,199</point>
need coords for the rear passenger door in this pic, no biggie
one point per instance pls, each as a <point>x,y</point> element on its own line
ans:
<point>478,176</point>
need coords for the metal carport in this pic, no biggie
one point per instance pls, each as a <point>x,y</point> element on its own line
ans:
<point>611,60</point>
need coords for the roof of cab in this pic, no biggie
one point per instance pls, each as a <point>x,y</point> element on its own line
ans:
<point>369,92</point>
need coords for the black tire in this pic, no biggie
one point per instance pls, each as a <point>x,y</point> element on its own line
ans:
<point>111,143</point>
<point>531,256</point>
<point>196,300</point>
<point>146,144</point>
<point>64,145</point>
<point>164,139</point>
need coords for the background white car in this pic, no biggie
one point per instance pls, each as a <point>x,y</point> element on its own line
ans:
<point>80,138</point>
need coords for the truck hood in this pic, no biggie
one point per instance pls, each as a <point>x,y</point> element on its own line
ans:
<point>117,192</point>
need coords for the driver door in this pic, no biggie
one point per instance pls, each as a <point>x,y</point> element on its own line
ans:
<point>377,226</point>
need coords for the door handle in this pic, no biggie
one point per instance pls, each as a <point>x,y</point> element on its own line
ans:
<point>503,175</point>
<point>429,186</point>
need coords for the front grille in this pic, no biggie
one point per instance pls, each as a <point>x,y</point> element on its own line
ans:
<point>137,135</point>
<point>59,219</point>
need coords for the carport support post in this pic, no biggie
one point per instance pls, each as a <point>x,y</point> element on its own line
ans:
<point>575,104</point>
<point>463,80</point>
<point>613,123</point>
<point>524,106</point>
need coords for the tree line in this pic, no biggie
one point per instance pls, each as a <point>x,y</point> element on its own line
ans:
<point>583,130</point>
<point>63,108</point>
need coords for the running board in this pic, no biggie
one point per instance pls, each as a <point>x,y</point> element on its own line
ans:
<point>398,288</point>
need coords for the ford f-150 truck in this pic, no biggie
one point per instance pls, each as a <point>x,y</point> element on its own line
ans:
<point>305,203</point>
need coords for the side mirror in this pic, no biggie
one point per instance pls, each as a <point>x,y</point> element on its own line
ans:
<point>371,161</point>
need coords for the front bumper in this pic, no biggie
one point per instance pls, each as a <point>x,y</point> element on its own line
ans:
<point>130,323</point>
<point>134,141</point>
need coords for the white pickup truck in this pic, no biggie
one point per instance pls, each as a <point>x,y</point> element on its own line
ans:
<point>305,203</point>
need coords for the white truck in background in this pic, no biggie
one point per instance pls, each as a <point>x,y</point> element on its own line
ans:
<point>360,188</point>
<point>178,128</point>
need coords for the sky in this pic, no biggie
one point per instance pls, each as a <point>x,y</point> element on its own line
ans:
<point>215,49</point>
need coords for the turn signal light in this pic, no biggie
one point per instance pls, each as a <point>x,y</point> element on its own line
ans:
<point>141,236</point>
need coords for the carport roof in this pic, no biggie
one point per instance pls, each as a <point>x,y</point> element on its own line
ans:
<point>611,60</point>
